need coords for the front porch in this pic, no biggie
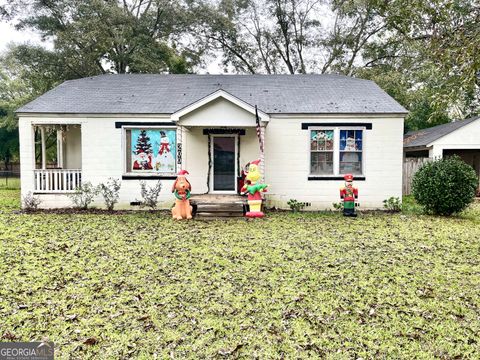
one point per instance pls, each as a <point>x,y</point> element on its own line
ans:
<point>216,158</point>
<point>57,158</point>
<point>220,135</point>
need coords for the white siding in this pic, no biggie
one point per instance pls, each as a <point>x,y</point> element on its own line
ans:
<point>102,157</point>
<point>287,163</point>
<point>218,113</point>
<point>73,148</point>
<point>195,159</point>
<point>249,147</point>
<point>286,154</point>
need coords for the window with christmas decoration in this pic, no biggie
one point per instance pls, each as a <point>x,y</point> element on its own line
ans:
<point>151,150</point>
<point>351,151</point>
<point>321,147</point>
<point>336,151</point>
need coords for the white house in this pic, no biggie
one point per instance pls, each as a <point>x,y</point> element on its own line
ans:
<point>315,129</point>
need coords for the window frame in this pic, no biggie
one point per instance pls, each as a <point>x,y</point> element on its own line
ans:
<point>310,151</point>
<point>127,172</point>
<point>336,150</point>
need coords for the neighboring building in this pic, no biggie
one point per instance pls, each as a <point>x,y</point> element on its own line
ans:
<point>460,138</point>
<point>315,128</point>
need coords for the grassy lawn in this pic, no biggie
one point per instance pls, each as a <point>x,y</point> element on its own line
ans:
<point>9,183</point>
<point>289,286</point>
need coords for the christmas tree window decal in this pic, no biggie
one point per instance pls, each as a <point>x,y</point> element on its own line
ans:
<point>152,150</point>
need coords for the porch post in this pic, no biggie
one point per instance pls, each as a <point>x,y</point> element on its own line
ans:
<point>60,148</point>
<point>44,150</point>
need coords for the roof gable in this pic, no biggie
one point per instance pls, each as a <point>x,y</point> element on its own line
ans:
<point>218,112</point>
<point>219,94</point>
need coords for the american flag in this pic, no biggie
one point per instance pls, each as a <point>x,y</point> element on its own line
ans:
<point>259,129</point>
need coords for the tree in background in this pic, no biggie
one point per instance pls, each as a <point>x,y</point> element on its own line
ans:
<point>423,53</point>
<point>291,36</point>
<point>89,38</point>
<point>96,36</point>
<point>9,146</point>
<point>430,56</point>
<point>25,73</point>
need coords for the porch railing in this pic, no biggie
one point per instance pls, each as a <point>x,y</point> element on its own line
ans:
<point>57,180</point>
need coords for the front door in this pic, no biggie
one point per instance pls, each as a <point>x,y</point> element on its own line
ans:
<point>224,154</point>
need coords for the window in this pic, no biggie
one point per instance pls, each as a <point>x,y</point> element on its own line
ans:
<point>151,151</point>
<point>321,147</point>
<point>336,151</point>
<point>350,152</point>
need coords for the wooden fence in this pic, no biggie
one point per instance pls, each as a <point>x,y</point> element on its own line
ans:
<point>410,167</point>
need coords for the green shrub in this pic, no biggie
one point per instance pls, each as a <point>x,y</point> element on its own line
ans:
<point>110,192</point>
<point>295,205</point>
<point>445,186</point>
<point>150,194</point>
<point>31,202</point>
<point>392,204</point>
<point>410,206</point>
<point>84,195</point>
<point>338,206</point>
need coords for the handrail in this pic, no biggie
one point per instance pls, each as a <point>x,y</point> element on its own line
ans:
<point>57,180</point>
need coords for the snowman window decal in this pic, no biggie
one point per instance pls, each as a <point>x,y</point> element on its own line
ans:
<point>153,150</point>
<point>351,151</point>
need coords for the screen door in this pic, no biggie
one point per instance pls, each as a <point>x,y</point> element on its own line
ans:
<point>224,151</point>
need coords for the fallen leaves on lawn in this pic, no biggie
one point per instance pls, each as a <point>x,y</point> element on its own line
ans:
<point>139,285</point>
<point>90,341</point>
<point>7,335</point>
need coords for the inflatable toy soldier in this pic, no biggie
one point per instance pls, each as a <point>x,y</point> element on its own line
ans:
<point>349,194</point>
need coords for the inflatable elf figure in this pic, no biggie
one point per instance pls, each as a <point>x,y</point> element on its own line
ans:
<point>349,194</point>
<point>254,190</point>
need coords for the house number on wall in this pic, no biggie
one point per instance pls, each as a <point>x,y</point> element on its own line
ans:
<point>179,153</point>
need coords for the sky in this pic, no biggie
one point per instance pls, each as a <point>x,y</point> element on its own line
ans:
<point>8,34</point>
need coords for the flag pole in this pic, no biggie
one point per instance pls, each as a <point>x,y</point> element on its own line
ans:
<point>261,140</point>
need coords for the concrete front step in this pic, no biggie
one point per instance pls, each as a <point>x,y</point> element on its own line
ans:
<point>225,214</point>
<point>218,210</point>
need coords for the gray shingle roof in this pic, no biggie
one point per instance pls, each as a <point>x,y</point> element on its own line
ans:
<point>166,94</point>
<point>424,137</point>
